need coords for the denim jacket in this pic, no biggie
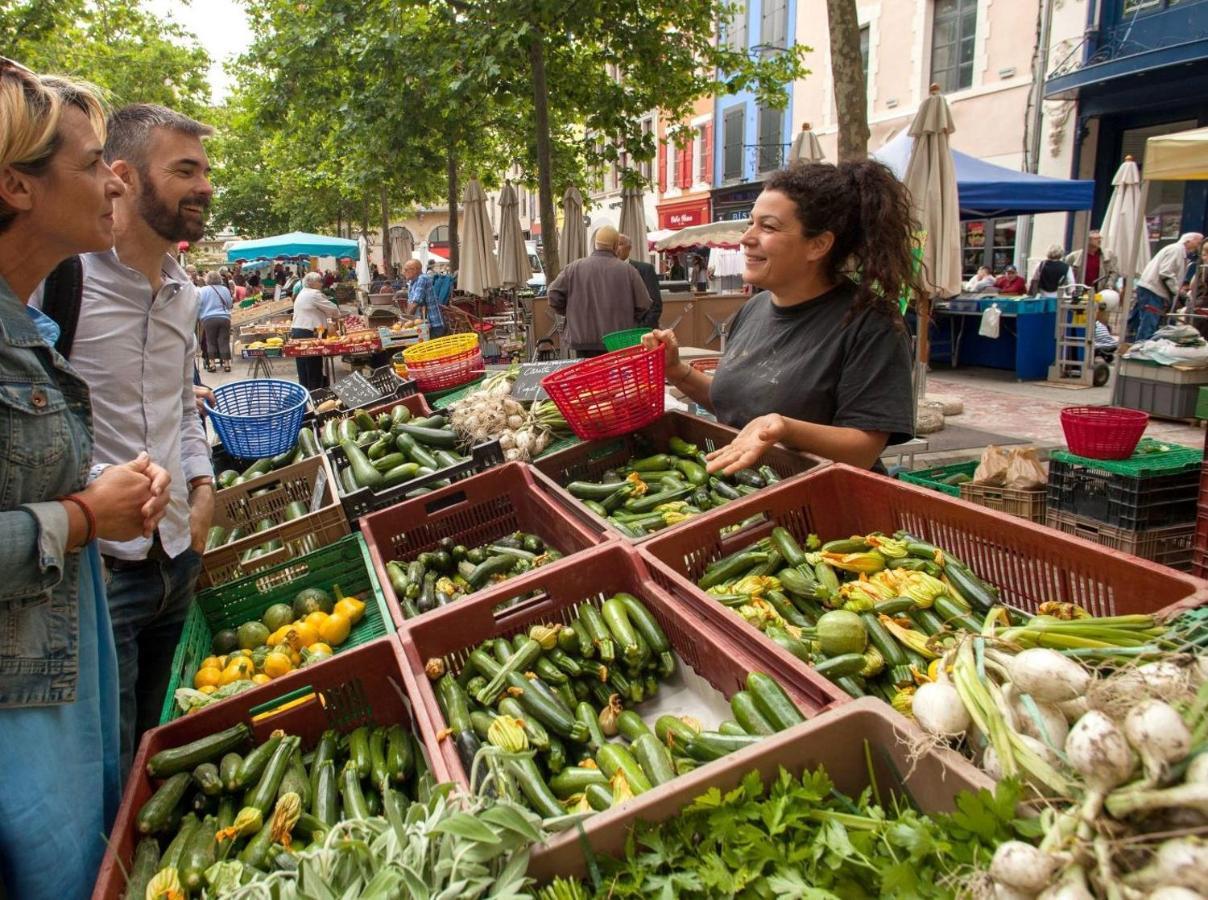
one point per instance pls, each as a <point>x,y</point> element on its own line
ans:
<point>45,449</point>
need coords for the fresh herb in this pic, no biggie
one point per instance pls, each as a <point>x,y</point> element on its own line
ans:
<point>800,837</point>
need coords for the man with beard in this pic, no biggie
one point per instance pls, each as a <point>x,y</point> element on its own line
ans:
<point>134,344</point>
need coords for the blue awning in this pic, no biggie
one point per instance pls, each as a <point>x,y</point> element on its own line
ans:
<point>294,244</point>
<point>987,191</point>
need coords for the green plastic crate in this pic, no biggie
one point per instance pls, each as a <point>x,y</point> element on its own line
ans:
<point>1150,458</point>
<point>1201,405</point>
<point>346,563</point>
<point>934,478</point>
<point>619,340</point>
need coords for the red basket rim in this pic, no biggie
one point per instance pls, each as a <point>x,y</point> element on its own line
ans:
<point>1094,415</point>
<point>573,374</point>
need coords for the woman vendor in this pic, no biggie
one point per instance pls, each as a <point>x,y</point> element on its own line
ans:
<point>819,359</point>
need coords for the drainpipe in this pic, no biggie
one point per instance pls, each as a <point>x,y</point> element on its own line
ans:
<point>1023,240</point>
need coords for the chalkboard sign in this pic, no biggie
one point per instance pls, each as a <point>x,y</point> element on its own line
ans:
<point>356,391</point>
<point>527,388</point>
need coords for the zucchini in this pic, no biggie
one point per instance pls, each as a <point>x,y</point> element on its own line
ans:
<point>307,443</point>
<point>400,415</point>
<point>198,855</point>
<point>379,774</point>
<point>433,437</point>
<point>358,751</point>
<point>586,713</point>
<point>362,469</point>
<point>538,737</point>
<point>791,644</point>
<point>206,778</point>
<point>673,731</point>
<point>348,482</point>
<point>787,546</point>
<point>952,612</point>
<point>654,759</point>
<point>156,814</point>
<point>613,758</point>
<point>771,700</point>
<point>574,780</point>
<point>350,792</point>
<point>325,805</point>
<point>631,726</point>
<point>893,606</point>
<point>493,565</point>
<point>748,715</point>
<point>347,430</point>
<point>215,537</point>
<point>256,853</point>
<point>295,509</point>
<point>797,582</point>
<point>254,763</point>
<point>228,771</point>
<point>879,636</point>
<point>598,632</point>
<point>731,727</point>
<point>733,567</point>
<point>644,623</point>
<point>533,786</point>
<point>176,847</point>
<point>365,422</point>
<point>833,667</point>
<point>296,781</point>
<point>400,754</point>
<point>329,437</point>
<point>555,757</point>
<point>521,661</point>
<point>599,796</point>
<point>467,746</point>
<point>264,794</point>
<point>143,868</point>
<point>206,749</point>
<point>326,749</point>
<point>710,745</point>
<point>543,705</point>
<point>980,595</point>
<point>388,461</point>
<point>454,704</point>
<point>258,468</point>
<point>588,490</point>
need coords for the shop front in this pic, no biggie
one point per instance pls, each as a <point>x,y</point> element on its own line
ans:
<point>735,203</point>
<point>684,212</point>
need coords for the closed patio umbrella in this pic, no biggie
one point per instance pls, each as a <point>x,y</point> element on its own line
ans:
<point>633,223</point>
<point>400,245</point>
<point>806,147</point>
<point>514,268</point>
<point>479,269</point>
<point>363,276</point>
<point>572,243</point>
<point>931,180</point>
<point>1125,236</point>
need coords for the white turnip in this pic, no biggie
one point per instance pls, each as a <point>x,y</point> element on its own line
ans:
<point>1047,675</point>
<point>1159,736</point>
<point>938,709</point>
<point>1098,751</point>
<point>1023,867</point>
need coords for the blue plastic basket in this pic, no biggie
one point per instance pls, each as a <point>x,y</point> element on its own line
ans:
<point>258,418</point>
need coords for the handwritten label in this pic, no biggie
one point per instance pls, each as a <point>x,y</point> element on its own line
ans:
<point>356,391</point>
<point>320,492</point>
<point>527,387</point>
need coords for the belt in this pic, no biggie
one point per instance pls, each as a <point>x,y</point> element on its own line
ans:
<point>154,556</point>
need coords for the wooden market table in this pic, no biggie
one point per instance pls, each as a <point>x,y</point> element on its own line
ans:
<point>1026,342</point>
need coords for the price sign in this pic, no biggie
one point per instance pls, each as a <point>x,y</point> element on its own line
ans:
<point>320,491</point>
<point>355,391</point>
<point>527,387</point>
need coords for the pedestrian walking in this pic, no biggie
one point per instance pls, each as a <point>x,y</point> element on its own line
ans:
<point>214,312</point>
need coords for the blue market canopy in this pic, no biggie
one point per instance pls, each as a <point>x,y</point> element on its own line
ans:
<point>295,244</point>
<point>987,191</point>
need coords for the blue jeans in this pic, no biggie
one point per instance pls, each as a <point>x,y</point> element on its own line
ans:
<point>1145,315</point>
<point>435,331</point>
<point>147,603</point>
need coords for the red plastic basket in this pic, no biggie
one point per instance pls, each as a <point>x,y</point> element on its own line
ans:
<point>610,395</point>
<point>1103,432</point>
<point>450,372</point>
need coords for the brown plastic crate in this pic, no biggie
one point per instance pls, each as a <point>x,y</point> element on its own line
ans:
<point>359,687</point>
<point>475,511</point>
<point>311,482</point>
<point>834,740</point>
<point>1171,546</point>
<point>588,460</point>
<point>1028,505</point>
<point>1029,563</point>
<point>720,658</point>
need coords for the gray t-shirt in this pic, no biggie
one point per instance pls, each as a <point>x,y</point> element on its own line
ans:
<point>809,362</point>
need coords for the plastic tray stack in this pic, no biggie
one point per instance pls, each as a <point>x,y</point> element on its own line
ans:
<point>723,658</point>
<point>588,461</point>
<point>345,563</point>
<point>364,686</point>
<point>1144,505</point>
<point>1026,504</point>
<point>471,512</point>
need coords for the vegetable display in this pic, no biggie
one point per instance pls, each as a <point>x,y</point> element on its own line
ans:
<point>305,447</point>
<point>649,493</point>
<point>490,413</point>
<point>549,704</point>
<point>453,571</point>
<point>225,812</point>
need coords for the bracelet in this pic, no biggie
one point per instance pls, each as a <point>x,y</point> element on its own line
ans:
<point>89,518</point>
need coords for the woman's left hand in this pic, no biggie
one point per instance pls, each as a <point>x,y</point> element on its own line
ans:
<point>752,442</point>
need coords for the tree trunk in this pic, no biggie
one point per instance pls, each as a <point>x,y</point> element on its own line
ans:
<point>386,259</point>
<point>847,72</point>
<point>454,243</point>
<point>549,231</point>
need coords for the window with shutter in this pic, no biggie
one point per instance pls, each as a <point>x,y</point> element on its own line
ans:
<point>662,167</point>
<point>706,156</point>
<point>774,26</point>
<point>732,156</point>
<point>685,167</point>
<point>770,138</point>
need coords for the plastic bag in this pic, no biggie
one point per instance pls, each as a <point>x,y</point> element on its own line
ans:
<point>990,320</point>
<point>1025,472</point>
<point>993,466</point>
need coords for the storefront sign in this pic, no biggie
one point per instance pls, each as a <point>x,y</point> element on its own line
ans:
<point>681,215</point>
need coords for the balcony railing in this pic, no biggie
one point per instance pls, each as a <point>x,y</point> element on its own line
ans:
<point>1140,32</point>
<point>759,158</point>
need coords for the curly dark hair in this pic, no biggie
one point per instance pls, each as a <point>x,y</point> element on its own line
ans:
<point>867,209</point>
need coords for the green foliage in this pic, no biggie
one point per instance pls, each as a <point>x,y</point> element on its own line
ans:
<point>116,44</point>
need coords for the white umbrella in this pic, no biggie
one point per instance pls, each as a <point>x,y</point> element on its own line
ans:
<point>633,223</point>
<point>1125,234</point>
<point>363,276</point>
<point>806,147</point>
<point>514,268</point>
<point>422,254</point>
<point>479,270</point>
<point>572,243</point>
<point>931,180</point>
<point>400,245</point>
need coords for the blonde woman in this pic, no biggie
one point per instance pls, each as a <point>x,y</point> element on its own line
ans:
<point>58,668</point>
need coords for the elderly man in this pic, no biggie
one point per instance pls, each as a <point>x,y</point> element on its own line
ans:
<point>598,294</point>
<point>1011,282</point>
<point>421,297</point>
<point>312,309</point>
<point>1158,286</point>
<point>650,278</point>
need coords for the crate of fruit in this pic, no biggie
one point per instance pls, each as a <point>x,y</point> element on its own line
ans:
<point>197,774</point>
<point>437,549</point>
<point>598,650</point>
<point>861,749</point>
<point>946,479</point>
<point>272,518</point>
<point>654,478</point>
<point>254,630</point>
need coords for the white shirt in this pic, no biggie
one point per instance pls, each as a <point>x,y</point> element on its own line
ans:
<point>136,351</point>
<point>312,309</point>
<point>1165,271</point>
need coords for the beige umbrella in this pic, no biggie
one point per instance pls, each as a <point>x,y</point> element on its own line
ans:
<point>514,268</point>
<point>400,244</point>
<point>1125,235</point>
<point>633,223</point>
<point>479,270</point>
<point>572,243</point>
<point>806,147</point>
<point>725,234</point>
<point>1177,157</point>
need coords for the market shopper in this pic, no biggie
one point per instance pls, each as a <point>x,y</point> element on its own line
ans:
<point>312,309</point>
<point>1159,284</point>
<point>214,312</point>
<point>58,668</point>
<point>1010,282</point>
<point>820,358</point>
<point>598,294</point>
<point>135,345</point>
<point>421,297</point>
<point>650,318</point>
<point>1052,273</point>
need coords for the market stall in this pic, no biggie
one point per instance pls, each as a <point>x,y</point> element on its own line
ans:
<point>1025,343</point>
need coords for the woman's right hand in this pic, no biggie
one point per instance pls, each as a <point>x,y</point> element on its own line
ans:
<point>677,370</point>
